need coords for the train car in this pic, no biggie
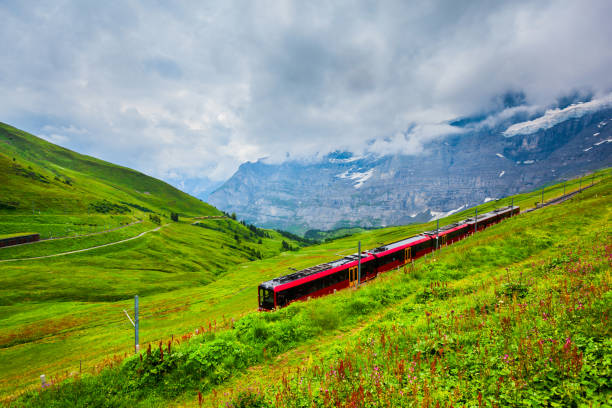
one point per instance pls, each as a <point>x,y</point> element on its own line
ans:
<point>398,253</point>
<point>326,278</point>
<point>485,220</point>
<point>19,239</point>
<point>315,281</point>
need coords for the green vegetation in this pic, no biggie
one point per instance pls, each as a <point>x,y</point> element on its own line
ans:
<point>326,236</point>
<point>64,310</point>
<point>19,234</point>
<point>40,177</point>
<point>465,325</point>
<point>516,315</point>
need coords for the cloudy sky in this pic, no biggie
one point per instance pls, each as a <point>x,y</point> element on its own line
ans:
<point>187,91</point>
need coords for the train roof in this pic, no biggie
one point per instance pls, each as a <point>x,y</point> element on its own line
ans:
<point>397,244</point>
<point>281,280</point>
<point>273,283</point>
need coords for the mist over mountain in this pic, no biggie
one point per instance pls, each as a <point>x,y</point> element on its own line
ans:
<point>490,156</point>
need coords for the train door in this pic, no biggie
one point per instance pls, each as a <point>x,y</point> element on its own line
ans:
<point>353,276</point>
<point>407,254</point>
<point>442,239</point>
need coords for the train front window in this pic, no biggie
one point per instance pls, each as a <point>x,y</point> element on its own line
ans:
<point>266,298</point>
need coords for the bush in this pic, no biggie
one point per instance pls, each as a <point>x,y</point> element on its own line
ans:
<point>106,207</point>
<point>174,217</point>
<point>250,399</point>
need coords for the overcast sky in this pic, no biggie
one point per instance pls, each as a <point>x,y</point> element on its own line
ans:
<point>187,91</point>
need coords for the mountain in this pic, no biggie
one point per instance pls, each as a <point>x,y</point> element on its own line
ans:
<point>479,163</point>
<point>38,175</point>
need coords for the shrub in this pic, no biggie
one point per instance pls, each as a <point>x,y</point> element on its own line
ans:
<point>155,218</point>
<point>105,207</point>
<point>250,399</point>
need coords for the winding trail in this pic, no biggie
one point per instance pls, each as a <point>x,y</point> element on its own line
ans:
<point>76,236</point>
<point>86,249</point>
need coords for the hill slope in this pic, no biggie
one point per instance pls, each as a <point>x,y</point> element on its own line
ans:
<point>36,175</point>
<point>500,278</point>
<point>106,236</point>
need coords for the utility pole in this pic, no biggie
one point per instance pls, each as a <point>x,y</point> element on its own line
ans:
<point>580,185</point>
<point>475,220</point>
<point>437,233</point>
<point>564,188</point>
<point>542,200</point>
<point>593,179</point>
<point>135,323</point>
<point>359,264</point>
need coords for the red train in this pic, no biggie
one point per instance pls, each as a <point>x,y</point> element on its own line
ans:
<point>326,278</point>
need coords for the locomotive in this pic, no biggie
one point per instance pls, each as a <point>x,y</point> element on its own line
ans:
<point>326,278</point>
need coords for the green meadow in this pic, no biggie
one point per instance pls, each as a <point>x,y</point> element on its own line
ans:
<point>204,343</point>
<point>498,283</point>
<point>93,330</point>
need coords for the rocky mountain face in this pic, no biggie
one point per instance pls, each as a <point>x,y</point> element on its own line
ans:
<point>460,170</point>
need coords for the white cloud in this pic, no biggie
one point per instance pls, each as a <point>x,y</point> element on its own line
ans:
<point>187,91</point>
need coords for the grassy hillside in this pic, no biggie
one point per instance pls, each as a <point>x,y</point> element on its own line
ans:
<point>464,326</point>
<point>66,307</point>
<point>38,176</point>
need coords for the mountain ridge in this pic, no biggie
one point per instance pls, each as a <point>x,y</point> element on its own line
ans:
<point>459,170</point>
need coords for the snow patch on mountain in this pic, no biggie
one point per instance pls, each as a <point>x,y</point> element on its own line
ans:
<point>602,142</point>
<point>553,117</point>
<point>502,173</point>
<point>486,200</point>
<point>442,214</point>
<point>500,155</point>
<point>358,177</point>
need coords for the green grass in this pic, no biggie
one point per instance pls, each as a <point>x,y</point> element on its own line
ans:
<point>69,326</point>
<point>18,234</point>
<point>40,177</point>
<point>49,226</point>
<point>60,313</point>
<point>59,310</point>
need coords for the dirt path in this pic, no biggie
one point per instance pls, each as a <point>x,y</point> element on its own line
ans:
<point>76,236</point>
<point>86,249</point>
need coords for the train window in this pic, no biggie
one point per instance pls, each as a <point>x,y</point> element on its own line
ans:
<point>266,298</point>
